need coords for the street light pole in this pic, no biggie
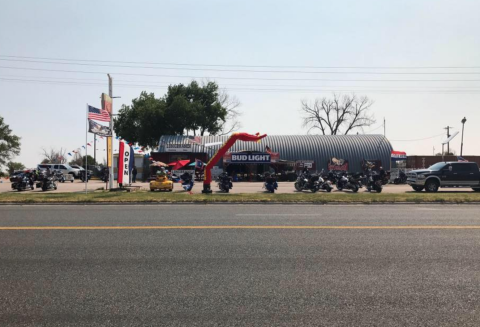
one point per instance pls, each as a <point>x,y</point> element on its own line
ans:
<point>464,120</point>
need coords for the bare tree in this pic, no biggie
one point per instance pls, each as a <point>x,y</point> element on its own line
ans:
<point>337,116</point>
<point>54,156</point>
<point>232,123</point>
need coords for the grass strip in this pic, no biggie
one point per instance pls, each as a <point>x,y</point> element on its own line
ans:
<point>157,197</point>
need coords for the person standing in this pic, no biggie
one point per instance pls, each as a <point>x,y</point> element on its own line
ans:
<point>134,174</point>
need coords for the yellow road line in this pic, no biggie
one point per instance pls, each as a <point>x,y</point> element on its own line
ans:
<point>233,227</point>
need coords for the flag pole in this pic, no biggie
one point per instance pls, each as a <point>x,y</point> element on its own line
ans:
<point>86,135</point>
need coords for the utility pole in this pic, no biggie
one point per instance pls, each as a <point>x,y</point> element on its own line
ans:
<point>464,120</point>
<point>110,94</point>
<point>95,148</point>
<point>384,128</point>
<point>448,135</point>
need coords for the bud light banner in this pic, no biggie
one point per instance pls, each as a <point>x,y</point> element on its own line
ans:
<point>253,158</point>
<point>123,164</point>
<point>399,155</point>
<point>338,164</point>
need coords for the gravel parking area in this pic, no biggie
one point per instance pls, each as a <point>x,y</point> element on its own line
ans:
<point>241,187</point>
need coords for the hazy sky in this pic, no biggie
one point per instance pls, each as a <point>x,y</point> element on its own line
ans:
<point>406,33</point>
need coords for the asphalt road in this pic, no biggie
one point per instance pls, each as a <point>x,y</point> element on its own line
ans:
<point>240,265</point>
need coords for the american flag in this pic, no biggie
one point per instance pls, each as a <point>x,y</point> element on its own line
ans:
<point>461,159</point>
<point>98,114</point>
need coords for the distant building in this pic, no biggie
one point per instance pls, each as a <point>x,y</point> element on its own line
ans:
<point>281,152</point>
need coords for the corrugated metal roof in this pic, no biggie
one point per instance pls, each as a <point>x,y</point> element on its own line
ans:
<point>320,148</point>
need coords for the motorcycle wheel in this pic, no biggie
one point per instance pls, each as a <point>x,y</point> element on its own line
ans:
<point>354,188</point>
<point>227,190</point>
<point>339,187</point>
<point>329,189</point>
<point>379,189</point>
<point>314,190</point>
<point>297,187</point>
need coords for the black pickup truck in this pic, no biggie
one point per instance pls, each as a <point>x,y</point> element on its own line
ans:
<point>445,174</point>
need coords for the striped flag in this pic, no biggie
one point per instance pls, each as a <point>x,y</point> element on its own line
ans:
<point>98,114</point>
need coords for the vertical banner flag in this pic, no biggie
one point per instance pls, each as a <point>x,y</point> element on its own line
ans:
<point>123,176</point>
<point>107,105</point>
<point>131,163</point>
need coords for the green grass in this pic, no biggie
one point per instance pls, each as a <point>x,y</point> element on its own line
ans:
<point>157,197</point>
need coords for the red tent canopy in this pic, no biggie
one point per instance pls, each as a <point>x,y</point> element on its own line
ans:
<point>179,164</point>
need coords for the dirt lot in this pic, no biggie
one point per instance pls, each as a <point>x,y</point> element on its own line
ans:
<point>241,187</point>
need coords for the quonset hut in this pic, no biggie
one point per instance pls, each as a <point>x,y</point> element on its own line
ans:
<point>281,152</point>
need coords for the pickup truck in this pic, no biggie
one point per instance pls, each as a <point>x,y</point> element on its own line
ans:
<point>445,174</point>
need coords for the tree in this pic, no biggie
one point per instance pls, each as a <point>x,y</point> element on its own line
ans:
<point>143,121</point>
<point>9,143</point>
<point>185,109</point>
<point>12,166</point>
<point>339,115</point>
<point>54,156</point>
<point>80,161</point>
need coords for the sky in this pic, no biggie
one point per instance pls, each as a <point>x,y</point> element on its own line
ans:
<point>384,50</point>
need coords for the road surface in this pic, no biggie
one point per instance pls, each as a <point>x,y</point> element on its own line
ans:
<point>239,265</point>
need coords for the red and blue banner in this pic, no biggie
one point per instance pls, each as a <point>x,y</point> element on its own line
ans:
<point>124,155</point>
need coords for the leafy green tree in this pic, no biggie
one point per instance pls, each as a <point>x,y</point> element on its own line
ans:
<point>185,109</point>
<point>12,166</point>
<point>9,143</point>
<point>143,121</point>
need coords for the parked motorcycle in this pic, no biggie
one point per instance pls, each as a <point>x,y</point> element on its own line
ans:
<point>47,181</point>
<point>187,181</point>
<point>374,182</point>
<point>87,173</point>
<point>349,182</point>
<point>22,182</point>
<point>104,175</point>
<point>307,182</point>
<point>401,178</point>
<point>225,182</point>
<point>325,183</point>
<point>270,183</point>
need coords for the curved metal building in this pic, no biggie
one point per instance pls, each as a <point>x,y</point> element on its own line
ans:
<point>320,148</point>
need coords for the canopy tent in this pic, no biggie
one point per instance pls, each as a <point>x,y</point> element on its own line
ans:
<point>158,164</point>
<point>179,164</point>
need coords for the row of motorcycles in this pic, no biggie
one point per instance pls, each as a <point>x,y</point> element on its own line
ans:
<point>44,180</point>
<point>372,180</point>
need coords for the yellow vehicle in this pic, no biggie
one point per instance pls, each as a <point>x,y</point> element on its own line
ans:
<point>161,183</point>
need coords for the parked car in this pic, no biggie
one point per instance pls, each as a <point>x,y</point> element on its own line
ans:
<point>445,174</point>
<point>77,167</point>
<point>64,168</point>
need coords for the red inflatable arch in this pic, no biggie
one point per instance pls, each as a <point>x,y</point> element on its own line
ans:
<point>227,145</point>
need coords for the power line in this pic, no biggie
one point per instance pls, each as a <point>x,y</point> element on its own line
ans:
<point>155,83</point>
<point>426,138</point>
<point>245,66</point>
<point>244,78</point>
<point>243,70</point>
<point>67,83</point>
